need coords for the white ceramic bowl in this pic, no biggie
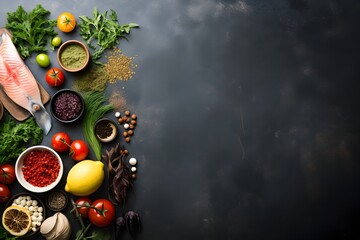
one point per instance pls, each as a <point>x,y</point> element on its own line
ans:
<point>20,176</point>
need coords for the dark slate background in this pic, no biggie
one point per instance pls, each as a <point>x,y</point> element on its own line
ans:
<point>248,116</point>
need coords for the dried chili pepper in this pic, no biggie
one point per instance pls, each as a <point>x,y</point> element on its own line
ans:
<point>119,174</point>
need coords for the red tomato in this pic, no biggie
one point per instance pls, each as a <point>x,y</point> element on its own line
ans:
<point>83,211</point>
<point>4,193</point>
<point>60,142</point>
<point>54,77</point>
<point>104,214</point>
<point>7,174</point>
<point>79,150</point>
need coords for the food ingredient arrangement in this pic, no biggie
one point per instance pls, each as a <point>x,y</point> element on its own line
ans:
<point>39,168</point>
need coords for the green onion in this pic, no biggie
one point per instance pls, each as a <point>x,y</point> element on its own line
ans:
<point>94,110</point>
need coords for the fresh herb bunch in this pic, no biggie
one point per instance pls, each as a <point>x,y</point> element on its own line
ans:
<point>106,31</point>
<point>5,235</point>
<point>14,137</point>
<point>94,110</point>
<point>30,31</point>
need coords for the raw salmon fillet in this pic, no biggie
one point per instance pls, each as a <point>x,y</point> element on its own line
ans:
<point>19,83</point>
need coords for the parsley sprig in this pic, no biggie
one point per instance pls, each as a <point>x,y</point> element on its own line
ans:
<point>30,31</point>
<point>104,30</point>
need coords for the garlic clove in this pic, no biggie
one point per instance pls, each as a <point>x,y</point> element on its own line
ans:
<point>48,225</point>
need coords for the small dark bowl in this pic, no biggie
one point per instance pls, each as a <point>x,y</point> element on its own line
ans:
<point>60,118</point>
<point>33,197</point>
<point>112,136</point>
<point>52,193</point>
<point>73,43</point>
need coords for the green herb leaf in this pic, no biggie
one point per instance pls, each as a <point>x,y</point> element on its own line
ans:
<point>103,30</point>
<point>94,110</point>
<point>100,234</point>
<point>30,31</point>
<point>15,138</point>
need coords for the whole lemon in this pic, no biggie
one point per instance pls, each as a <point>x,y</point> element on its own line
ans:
<point>85,178</point>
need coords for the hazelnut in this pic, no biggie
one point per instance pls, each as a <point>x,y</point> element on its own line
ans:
<point>133,122</point>
<point>130,132</point>
<point>127,113</point>
<point>125,134</point>
<point>127,139</point>
<point>131,126</point>
<point>126,152</point>
<point>124,118</point>
<point>120,120</point>
<point>133,116</point>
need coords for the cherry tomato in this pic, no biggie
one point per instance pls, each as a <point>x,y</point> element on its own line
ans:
<point>104,214</point>
<point>56,41</point>
<point>83,211</point>
<point>66,22</point>
<point>54,77</point>
<point>43,60</point>
<point>7,173</point>
<point>78,150</point>
<point>4,193</point>
<point>60,142</point>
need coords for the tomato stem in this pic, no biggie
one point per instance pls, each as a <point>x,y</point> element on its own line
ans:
<point>72,151</point>
<point>101,211</point>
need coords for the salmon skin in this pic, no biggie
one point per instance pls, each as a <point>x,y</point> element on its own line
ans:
<point>19,83</point>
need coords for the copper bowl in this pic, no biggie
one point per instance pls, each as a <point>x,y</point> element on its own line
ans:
<point>65,58</point>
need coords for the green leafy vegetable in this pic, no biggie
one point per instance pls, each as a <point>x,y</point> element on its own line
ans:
<point>14,137</point>
<point>105,30</point>
<point>5,235</point>
<point>94,110</point>
<point>31,31</point>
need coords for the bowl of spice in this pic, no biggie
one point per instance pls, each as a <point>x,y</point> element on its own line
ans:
<point>67,105</point>
<point>56,200</point>
<point>73,56</point>
<point>105,130</point>
<point>39,169</point>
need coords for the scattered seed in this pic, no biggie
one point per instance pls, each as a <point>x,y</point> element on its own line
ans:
<point>130,132</point>
<point>127,139</point>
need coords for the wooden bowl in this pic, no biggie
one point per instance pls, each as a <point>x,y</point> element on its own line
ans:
<point>73,56</point>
